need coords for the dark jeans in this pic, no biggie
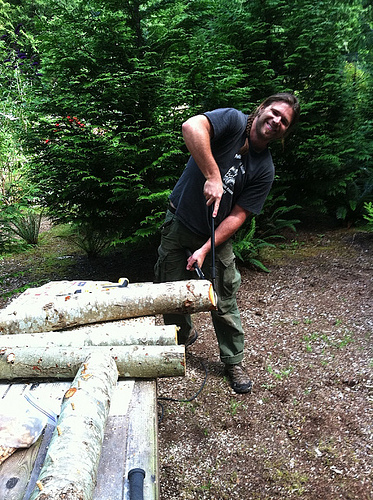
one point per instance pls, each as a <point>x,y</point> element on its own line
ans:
<point>171,266</point>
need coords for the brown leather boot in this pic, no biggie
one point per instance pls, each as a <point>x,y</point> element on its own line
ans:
<point>240,381</point>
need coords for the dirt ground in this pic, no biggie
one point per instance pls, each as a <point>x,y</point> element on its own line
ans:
<point>306,430</point>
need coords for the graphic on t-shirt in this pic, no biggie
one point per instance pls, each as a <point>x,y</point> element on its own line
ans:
<point>230,177</point>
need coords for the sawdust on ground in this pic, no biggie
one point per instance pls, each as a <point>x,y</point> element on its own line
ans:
<point>306,429</point>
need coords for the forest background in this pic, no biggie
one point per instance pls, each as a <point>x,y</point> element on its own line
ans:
<point>94,92</point>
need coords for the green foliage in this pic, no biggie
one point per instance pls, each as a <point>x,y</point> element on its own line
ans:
<point>26,226</point>
<point>247,246</point>
<point>92,241</point>
<point>263,229</point>
<point>332,145</point>
<point>274,218</point>
<point>359,190</point>
<point>93,95</point>
<point>17,221</point>
<point>102,151</point>
<point>17,75</point>
<point>369,215</point>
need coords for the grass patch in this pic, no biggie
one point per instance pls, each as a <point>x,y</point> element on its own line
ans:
<point>280,374</point>
<point>286,476</point>
<point>322,340</point>
<point>33,266</point>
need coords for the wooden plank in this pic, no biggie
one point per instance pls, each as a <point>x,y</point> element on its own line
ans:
<point>39,460</point>
<point>15,472</point>
<point>130,441</point>
<point>130,438</point>
<point>142,441</point>
<point>111,467</point>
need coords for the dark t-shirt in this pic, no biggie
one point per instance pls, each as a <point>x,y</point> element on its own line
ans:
<point>246,180</point>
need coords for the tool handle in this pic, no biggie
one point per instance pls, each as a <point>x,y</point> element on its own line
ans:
<point>197,269</point>
<point>213,268</point>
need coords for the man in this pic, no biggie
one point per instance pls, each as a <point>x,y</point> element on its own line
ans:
<point>230,171</point>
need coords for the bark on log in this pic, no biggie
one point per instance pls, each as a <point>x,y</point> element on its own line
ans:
<point>64,362</point>
<point>105,334</point>
<point>70,467</point>
<point>147,299</point>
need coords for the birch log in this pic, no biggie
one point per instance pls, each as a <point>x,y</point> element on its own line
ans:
<point>105,334</point>
<point>70,467</point>
<point>147,299</point>
<point>64,362</point>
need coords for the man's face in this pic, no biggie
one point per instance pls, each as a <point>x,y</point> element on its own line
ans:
<point>273,121</point>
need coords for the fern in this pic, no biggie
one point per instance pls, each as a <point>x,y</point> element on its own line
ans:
<point>369,215</point>
<point>247,247</point>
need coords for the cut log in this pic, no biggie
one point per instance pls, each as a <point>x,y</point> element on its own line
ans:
<point>70,467</point>
<point>147,299</point>
<point>105,334</point>
<point>64,362</point>
<point>5,452</point>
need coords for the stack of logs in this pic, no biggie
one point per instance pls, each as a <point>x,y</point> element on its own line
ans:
<point>43,339</point>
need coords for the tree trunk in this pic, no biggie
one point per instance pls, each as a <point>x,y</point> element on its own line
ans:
<point>64,362</point>
<point>105,334</point>
<point>146,299</point>
<point>70,467</point>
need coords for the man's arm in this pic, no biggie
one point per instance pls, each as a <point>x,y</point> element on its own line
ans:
<point>197,133</point>
<point>223,232</point>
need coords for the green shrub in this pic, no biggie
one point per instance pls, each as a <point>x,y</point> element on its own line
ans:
<point>247,247</point>
<point>26,226</point>
<point>93,241</point>
<point>369,215</point>
<point>249,241</point>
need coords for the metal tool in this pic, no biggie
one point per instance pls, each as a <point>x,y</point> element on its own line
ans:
<point>213,267</point>
<point>196,267</point>
<point>122,283</point>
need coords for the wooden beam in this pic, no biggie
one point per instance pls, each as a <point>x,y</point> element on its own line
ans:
<point>64,362</point>
<point>70,467</point>
<point>144,299</point>
<point>104,334</point>
<point>142,444</point>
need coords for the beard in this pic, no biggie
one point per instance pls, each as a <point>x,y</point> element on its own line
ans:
<point>265,131</point>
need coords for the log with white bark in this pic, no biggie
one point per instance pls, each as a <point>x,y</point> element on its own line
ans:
<point>147,299</point>
<point>105,334</point>
<point>64,362</point>
<point>70,467</point>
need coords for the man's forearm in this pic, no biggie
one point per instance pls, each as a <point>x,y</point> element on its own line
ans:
<point>226,229</point>
<point>197,133</point>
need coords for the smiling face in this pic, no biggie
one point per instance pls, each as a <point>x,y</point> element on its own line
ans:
<point>272,122</point>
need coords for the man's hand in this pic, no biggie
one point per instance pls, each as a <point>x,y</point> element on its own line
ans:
<point>213,192</point>
<point>223,232</point>
<point>198,257</point>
